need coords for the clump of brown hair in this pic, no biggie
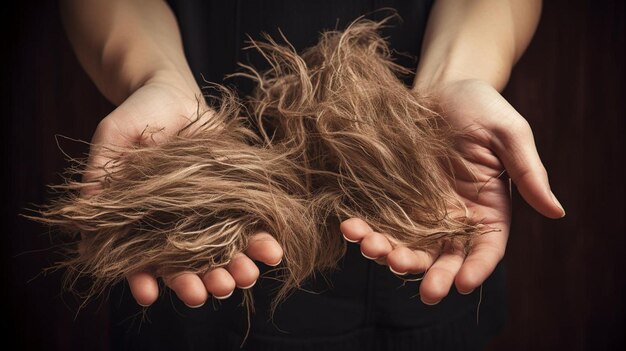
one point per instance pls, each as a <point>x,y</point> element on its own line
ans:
<point>187,205</point>
<point>339,136</point>
<point>372,147</point>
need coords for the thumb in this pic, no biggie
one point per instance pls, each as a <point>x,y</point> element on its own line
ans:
<point>514,144</point>
<point>107,136</point>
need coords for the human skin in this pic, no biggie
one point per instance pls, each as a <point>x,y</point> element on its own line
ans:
<point>469,50</point>
<point>133,52</point>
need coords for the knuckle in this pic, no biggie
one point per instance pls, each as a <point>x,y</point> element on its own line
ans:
<point>511,129</point>
<point>105,125</point>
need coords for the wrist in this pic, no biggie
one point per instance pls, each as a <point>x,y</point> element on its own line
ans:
<point>182,83</point>
<point>433,78</point>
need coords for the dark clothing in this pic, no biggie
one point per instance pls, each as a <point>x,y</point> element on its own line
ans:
<point>214,32</point>
<point>361,306</point>
<point>364,307</point>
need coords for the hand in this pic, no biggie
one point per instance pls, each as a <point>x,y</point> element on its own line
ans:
<point>164,105</point>
<point>497,138</point>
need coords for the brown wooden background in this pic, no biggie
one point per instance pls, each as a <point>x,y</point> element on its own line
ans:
<point>565,278</point>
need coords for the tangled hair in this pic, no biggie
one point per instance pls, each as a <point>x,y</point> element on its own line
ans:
<point>188,205</point>
<point>371,146</point>
<point>338,136</point>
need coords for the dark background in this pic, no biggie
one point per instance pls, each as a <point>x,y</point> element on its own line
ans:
<point>565,278</point>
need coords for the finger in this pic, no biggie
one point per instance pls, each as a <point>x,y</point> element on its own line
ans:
<point>403,260</point>
<point>109,134</point>
<point>243,270</point>
<point>189,289</point>
<point>515,146</point>
<point>219,283</point>
<point>375,245</point>
<point>144,288</point>
<point>263,247</point>
<point>440,276</point>
<point>354,229</point>
<point>486,252</point>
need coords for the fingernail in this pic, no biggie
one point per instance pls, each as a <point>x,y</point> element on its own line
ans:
<point>142,305</point>
<point>247,287</point>
<point>430,303</point>
<point>398,273</point>
<point>350,240</point>
<point>369,258</point>
<point>275,264</point>
<point>225,296</point>
<point>197,306</point>
<point>556,202</point>
<point>465,293</point>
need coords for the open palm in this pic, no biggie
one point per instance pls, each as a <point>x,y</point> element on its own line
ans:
<point>496,138</point>
<point>159,106</point>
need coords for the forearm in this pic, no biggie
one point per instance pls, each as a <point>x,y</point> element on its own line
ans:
<point>124,43</point>
<point>475,39</point>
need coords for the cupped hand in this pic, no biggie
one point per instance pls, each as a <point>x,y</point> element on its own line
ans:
<point>164,106</point>
<point>495,138</point>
